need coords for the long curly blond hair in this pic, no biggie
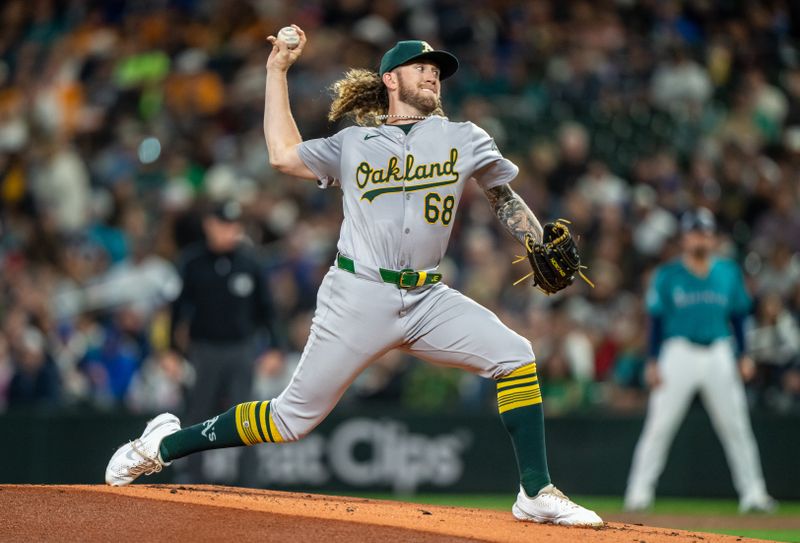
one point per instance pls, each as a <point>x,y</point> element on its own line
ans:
<point>361,96</point>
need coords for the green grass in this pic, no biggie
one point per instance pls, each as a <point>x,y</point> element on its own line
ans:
<point>601,504</point>
<point>606,505</point>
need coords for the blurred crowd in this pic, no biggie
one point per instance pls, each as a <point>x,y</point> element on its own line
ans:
<point>121,122</point>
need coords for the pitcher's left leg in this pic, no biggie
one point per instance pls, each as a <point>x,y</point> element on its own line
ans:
<point>448,329</point>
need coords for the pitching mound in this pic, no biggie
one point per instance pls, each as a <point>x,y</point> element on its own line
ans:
<point>212,513</point>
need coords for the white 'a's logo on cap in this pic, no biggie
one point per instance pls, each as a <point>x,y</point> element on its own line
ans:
<point>426,48</point>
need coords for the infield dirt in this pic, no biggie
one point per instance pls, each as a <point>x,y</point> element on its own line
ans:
<point>213,513</point>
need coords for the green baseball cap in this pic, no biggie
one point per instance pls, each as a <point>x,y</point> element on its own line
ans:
<point>408,50</point>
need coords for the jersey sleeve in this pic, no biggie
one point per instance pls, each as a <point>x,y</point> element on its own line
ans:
<point>485,154</point>
<point>654,300</point>
<point>741,302</point>
<point>323,156</point>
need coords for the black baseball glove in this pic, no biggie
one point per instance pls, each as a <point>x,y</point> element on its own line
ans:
<point>555,261</point>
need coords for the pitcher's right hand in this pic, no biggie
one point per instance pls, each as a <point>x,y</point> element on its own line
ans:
<point>281,57</point>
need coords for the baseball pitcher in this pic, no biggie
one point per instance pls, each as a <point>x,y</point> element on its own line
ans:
<point>402,170</point>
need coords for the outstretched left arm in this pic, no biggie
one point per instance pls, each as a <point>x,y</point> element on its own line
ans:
<point>554,263</point>
<point>514,214</point>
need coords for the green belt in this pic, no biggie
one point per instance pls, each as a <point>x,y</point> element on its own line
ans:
<point>402,278</point>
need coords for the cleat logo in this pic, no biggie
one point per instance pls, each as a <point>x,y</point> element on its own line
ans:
<point>132,455</point>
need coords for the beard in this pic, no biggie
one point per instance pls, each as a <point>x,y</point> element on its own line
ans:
<point>424,102</point>
<point>699,252</point>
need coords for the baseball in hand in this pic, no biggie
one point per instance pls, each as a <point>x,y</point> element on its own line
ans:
<point>289,36</point>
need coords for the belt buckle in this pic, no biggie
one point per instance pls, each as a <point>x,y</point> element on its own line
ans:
<point>404,273</point>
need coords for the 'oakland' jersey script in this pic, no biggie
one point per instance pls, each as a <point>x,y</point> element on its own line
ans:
<point>401,191</point>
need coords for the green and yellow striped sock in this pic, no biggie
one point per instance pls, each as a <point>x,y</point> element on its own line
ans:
<point>519,401</point>
<point>244,424</point>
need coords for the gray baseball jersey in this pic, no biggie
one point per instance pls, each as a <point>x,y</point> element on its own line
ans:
<point>401,191</point>
<point>400,195</point>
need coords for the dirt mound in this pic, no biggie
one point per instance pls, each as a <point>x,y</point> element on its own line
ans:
<point>212,513</point>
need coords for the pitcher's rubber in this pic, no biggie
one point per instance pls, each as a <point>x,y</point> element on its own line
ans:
<point>214,513</point>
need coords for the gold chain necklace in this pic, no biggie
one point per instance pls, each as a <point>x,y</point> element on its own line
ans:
<point>412,117</point>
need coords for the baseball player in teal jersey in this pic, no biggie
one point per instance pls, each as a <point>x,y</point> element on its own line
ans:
<point>402,170</point>
<point>697,307</point>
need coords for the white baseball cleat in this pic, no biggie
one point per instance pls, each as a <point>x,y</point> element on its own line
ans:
<point>637,505</point>
<point>140,456</point>
<point>764,504</point>
<point>551,505</point>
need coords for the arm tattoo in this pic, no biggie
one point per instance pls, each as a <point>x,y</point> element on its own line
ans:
<point>514,214</point>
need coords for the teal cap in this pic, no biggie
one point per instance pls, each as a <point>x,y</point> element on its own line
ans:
<point>406,51</point>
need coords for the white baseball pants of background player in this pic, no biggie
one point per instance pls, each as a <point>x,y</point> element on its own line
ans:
<point>686,368</point>
<point>359,318</point>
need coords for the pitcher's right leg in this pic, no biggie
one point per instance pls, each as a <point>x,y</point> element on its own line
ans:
<point>347,334</point>
<point>356,322</point>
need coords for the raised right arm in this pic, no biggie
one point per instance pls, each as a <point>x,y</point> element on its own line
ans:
<point>280,130</point>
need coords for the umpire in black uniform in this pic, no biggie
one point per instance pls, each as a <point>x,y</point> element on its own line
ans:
<point>226,302</point>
